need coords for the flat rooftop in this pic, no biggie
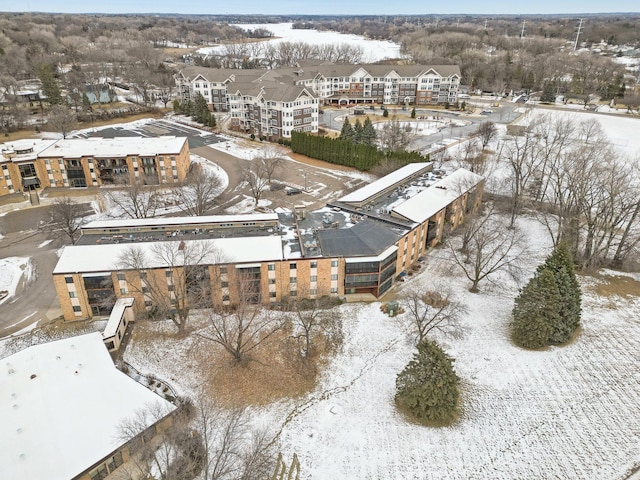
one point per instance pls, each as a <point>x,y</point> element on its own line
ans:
<point>108,258</point>
<point>62,404</point>
<point>114,147</point>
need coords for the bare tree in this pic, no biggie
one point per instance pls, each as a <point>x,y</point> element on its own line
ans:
<point>271,161</point>
<point>313,318</point>
<point>232,450</point>
<point>430,311</point>
<point>256,178</point>
<point>61,119</point>
<point>241,328</point>
<point>135,199</point>
<point>183,284</point>
<point>66,218</point>
<point>491,248</point>
<point>394,136</point>
<point>170,450</point>
<point>197,194</point>
<point>486,131</point>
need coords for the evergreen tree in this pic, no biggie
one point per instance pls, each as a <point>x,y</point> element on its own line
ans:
<point>385,112</point>
<point>413,112</point>
<point>86,103</point>
<point>357,131</point>
<point>560,263</point>
<point>369,135</point>
<point>177,108</point>
<point>428,385</point>
<point>50,87</point>
<point>536,310</point>
<point>548,93</point>
<point>347,132</point>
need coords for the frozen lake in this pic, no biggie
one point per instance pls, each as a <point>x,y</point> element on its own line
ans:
<point>374,50</point>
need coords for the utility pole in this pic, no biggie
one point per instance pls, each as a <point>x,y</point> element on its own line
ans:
<point>485,25</point>
<point>578,31</point>
<point>522,32</point>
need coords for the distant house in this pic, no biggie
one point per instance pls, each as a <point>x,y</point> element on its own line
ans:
<point>62,406</point>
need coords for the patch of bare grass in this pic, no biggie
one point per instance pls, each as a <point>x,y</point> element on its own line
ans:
<point>616,285</point>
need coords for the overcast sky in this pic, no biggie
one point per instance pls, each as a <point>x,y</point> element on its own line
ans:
<point>368,7</point>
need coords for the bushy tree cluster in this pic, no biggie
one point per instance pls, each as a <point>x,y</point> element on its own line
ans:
<point>197,109</point>
<point>345,152</point>
<point>360,133</point>
<point>547,310</point>
<point>428,386</point>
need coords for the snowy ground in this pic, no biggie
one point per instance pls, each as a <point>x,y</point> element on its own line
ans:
<point>373,50</point>
<point>13,270</point>
<point>567,412</point>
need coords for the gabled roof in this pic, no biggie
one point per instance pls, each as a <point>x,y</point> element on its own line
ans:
<point>61,406</point>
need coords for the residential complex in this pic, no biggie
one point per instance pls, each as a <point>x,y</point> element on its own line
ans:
<point>63,410</point>
<point>276,102</point>
<point>359,244</point>
<point>35,164</point>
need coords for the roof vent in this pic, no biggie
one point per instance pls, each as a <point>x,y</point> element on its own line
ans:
<point>33,375</point>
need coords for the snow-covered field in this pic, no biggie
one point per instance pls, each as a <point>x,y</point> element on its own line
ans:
<point>374,50</point>
<point>567,412</point>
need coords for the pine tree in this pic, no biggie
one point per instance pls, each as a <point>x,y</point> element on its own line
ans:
<point>413,112</point>
<point>536,310</point>
<point>50,87</point>
<point>560,263</point>
<point>369,135</point>
<point>548,93</point>
<point>86,103</point>
<point>385,112</point>
<point>357,131</point>
<point>428,385</point>
<point>347,132</point>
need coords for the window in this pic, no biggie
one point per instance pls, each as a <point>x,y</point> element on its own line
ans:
<point>225,298</point>
<point>334,277</point>
<point>169,273</point>
<point>73,295</point>
<point>272,281</point>
<point>148,303</point>
<point>271,267</point>
<point>314,265</point>
<point>313,292</point>
<point>292,279</point>
<point>334,263</point>
<point>293,293</point>
<point>145,289</point>
<point>314,278</point>
<point>272,294</point>
<point>171,288</point>
<point>224,284</point>
<point>334,290</point>
<point>292,266</point>
<point>123,291</point>
<point>77,308</point>
<point>223,270</point>
<point>68,279</point>
<point>121,276</point>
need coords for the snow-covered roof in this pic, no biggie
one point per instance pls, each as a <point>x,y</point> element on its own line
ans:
<point>116,315</point>
<point>427,203</point>
<point>21,150</point>
<point>106,257</point>
<point>114,147</point>
<point>385,182</point>
<point>377,258</point>
<point>62,403</point>
<point>152,222</point>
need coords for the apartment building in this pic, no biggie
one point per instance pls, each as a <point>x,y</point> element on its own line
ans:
<point>358,244</point>
<point>274,103</point>
<point>64,409</point>
<point>36,164</point>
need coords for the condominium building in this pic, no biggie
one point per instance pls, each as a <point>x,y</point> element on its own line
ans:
<point>36,164</point>
<point>358,244</point>
<point>274,103</point>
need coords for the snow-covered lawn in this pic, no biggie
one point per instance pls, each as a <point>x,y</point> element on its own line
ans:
<point>567,412</point>
<point>12,271</point>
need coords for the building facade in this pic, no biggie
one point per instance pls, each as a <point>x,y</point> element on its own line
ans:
<point>359,244</point>
<point>36,164</point>
<point>276,102</point>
